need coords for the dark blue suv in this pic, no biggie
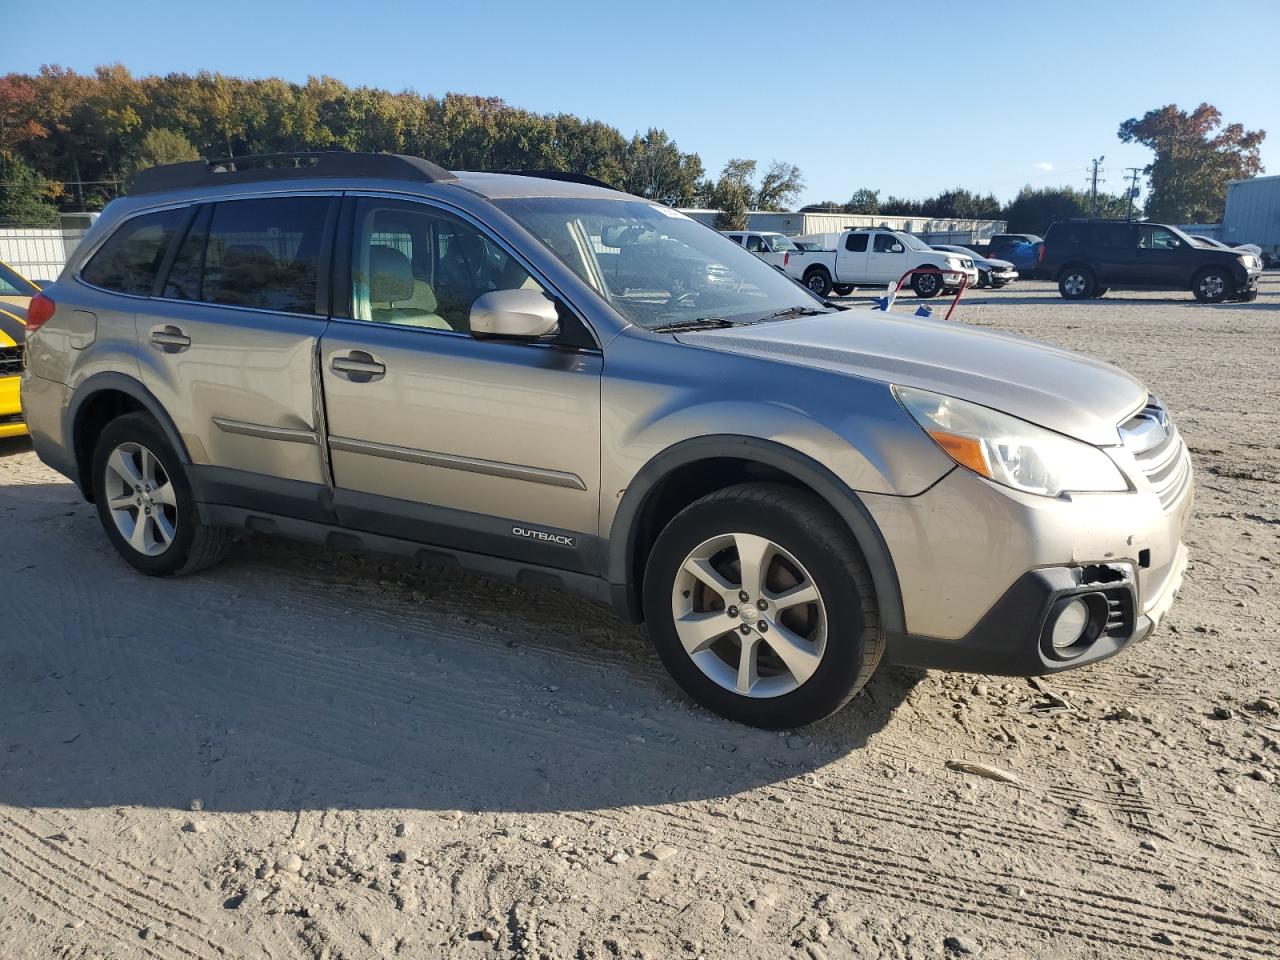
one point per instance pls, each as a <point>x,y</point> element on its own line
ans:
<point>1086,258</point>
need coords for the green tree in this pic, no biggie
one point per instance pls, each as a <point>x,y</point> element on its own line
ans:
<point>1195,156</point>
<point>1032,210</point>
<point>733,193</point>
<point>163,146</point>
<point>779,186</point>
<point>24,196</point>
<point>864,200</point>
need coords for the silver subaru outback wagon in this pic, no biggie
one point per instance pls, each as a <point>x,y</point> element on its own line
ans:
<point>541,377</point>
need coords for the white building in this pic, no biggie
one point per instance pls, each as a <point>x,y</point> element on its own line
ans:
<point>935,230</point>
<point>1253,213</point>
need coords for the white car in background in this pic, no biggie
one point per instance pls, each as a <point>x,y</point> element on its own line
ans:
<point>773,248</point>
<point>991,273</point>
<point>875,257</point>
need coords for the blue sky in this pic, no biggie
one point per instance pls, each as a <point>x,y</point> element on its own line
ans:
<point>988,95</point>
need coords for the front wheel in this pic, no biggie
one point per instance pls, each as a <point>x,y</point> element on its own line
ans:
<point>984,278</point>
<point>818,281</point>
<point>1213,285</point>
<point>760,606</point>
<point>927,284</point>
<point>145,502</point>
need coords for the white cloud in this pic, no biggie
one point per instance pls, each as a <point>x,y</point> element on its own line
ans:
<point>1044,166</point>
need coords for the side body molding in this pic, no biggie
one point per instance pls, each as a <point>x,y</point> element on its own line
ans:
<point>624,580</point>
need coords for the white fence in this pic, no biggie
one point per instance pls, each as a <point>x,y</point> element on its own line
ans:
<point>38,253</point>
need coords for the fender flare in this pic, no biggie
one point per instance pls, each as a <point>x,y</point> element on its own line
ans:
<point>847,504</point>
<point>131,387</point>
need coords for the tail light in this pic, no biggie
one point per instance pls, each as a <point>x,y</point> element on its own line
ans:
<point>1040,252</point>
<point>39,311</point>
<point>786,258</point>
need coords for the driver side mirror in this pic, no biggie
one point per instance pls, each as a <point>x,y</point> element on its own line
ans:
<point>897,248</point>
<point>514,315</point>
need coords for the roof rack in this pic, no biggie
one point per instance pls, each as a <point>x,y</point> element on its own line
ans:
<point>564,175</point>
<point>287,166</point>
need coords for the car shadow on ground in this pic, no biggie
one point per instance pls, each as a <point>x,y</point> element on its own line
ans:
<point>292,677</point>
<point>12,446</point>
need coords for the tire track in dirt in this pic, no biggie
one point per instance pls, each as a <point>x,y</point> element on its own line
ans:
<point>828,863</point>
<point>57,872</point>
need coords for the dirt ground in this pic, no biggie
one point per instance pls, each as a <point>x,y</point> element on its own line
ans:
<point>302,754</point>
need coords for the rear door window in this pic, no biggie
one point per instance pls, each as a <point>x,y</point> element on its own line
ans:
<point>130,259</point>
<point>263,253</point>
<point>1113,236</point>
<point>856,243</point>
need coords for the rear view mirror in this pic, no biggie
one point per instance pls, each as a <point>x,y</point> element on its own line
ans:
<point>514,315</point>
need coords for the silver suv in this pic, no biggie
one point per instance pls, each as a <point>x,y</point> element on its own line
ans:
<point>540,377</point>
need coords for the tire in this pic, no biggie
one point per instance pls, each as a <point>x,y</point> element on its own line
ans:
<point>838,632</point>
<point>984,279</point>
<point>818,280</point>
<point>1213,285</point>
<point>926,285</point>
<point>843,289</point>
<point>1076,283</point>
<point>172,541</point>
<point>1100,292</point>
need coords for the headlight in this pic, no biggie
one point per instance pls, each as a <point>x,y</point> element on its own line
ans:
<point>1010,451</point>
<point>954,264</point>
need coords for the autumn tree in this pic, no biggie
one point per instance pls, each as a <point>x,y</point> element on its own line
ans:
<point>1195,156</point>
<point>779,186</point>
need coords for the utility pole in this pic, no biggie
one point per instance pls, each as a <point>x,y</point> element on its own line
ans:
<point>1133,189</point>
<point>1093,189</point>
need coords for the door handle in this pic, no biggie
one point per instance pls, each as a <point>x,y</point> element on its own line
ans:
<point>170,339</point>
<point>358,366</point>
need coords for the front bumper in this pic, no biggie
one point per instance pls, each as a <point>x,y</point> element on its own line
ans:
<point>11,422</point>
<point>982,570</point>
<point>1000,277</point>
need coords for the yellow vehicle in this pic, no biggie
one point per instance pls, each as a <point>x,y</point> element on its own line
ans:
<point>13,331</point>
<point>15,289</point>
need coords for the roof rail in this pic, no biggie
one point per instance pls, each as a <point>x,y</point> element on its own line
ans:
<point>564,175</point>
<point>287,166</point>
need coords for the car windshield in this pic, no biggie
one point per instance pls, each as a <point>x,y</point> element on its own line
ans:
<point>656,266</point>
<point>913,243</point>
<point>779,243</point>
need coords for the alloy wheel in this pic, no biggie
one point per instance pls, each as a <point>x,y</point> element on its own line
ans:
<point>141,499</point>
<point>1212,286</point>
<point>749,615</point>
<point>1074,284</point>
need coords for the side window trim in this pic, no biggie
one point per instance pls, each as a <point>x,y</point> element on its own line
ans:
<point>342,267</point>
<point>179,238</point>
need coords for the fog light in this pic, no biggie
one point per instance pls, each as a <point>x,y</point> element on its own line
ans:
<point>1070,627</point>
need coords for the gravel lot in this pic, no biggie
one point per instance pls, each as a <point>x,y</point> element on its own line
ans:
<point>303,754</point>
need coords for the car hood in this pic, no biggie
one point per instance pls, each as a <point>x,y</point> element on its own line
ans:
<point>997,264</point>
<point>1068,392</point>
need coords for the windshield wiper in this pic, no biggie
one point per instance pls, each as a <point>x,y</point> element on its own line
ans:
<point>791,312</point>
<point>698,323</point>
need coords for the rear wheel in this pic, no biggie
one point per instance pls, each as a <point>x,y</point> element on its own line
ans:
<point>843,289</point>
<point>1213,285</point>
<point>818,280</point>
<point>760,605</point>
<point>927,284</point>
<point>1076,283</point>
<point>145,502</point>
<point>1100,292</point>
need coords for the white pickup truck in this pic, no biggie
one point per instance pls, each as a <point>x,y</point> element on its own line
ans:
<point>878,258</point>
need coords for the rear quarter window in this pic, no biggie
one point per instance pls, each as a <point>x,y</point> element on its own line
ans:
<point>130,258</point>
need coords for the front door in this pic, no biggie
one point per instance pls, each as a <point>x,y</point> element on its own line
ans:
<point>1163,260</point>
<point>480,445</point>
<point>887,261</point>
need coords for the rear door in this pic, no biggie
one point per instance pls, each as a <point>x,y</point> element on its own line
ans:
<point>486,446</point>
<point>851,259</point>
<point>1112,249</point>
<point>228,342</point>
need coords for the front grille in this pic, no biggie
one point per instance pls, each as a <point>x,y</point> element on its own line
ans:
<point>10,361</point>
<point>1159,451</point>
<point>10,418</point>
